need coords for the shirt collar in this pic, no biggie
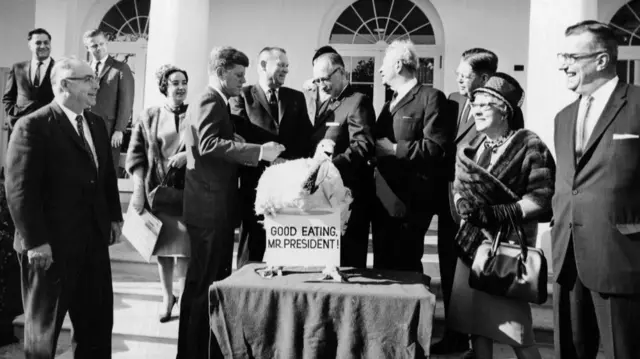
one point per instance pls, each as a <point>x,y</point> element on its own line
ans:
<point>94,61</point>
<point>70,114</point>
<point>226,100</point>
<point>45,62</point>
<point>602,93</point>
<point>405,88</point>
<point>266,91</point>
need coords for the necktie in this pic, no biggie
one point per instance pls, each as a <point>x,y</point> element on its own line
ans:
<point>177,111</point>
<point>98,68</point>
<point>80,128</point>
<point>36,78</point>
<point>273,104</point>
<point>581,128</point>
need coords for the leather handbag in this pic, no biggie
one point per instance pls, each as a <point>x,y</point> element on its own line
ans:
<point>510,270</point>
<point>167,197</point>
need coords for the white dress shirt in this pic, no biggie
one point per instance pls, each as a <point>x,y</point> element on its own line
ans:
<point>101,66</point>
<point>43,69</point>
<point>266,92</point>
<point>87,131</point>
<point>600,98</point>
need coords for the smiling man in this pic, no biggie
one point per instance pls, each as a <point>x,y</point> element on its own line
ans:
<point>596,230</point>
<point>28,85</point>
<point>268,112</point>
<point>115,97</point>
<point>63,196</point>
<point>211,199</point>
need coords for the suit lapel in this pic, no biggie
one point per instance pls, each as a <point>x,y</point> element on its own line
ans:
<point>406,99</point>
<point>28,74</point>
<point>101,156</point>
<point>570,127</point>
<point>108,63</point>
<point>262,99</point>
<point>282,105</point>
<point>327,109</point>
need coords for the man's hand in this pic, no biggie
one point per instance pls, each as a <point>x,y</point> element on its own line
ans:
<point>116,139</point>
<point>238,138</point>
<point>116,232</point>
<point>278,161</point>
<point>178,160</point>
<point>271,151</point>
<point>40,257</point>
<point>384,147</point>
<point>464,208</point>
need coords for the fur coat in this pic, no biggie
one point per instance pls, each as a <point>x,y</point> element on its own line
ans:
<point>525,169</point>
<point>144,150</point>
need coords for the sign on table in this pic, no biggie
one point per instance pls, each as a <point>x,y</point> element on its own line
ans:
<point>311,239</point>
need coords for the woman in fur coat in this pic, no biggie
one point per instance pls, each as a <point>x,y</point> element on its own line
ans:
<point>156,149</point>
<point>505,172</point>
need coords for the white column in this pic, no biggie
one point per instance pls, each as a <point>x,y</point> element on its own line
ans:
<point>546,92</point>
<point>178,35</point>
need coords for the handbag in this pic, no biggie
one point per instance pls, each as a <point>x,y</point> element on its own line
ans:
<point>167,197</point>
<point>510,270</point>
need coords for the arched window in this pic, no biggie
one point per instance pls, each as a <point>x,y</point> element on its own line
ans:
<point>128,20</point>
<point>365,28</point>
<point>369,22</point>
<point>626,23</point>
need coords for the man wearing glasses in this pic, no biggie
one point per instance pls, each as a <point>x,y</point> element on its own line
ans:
<point>596,206</point>
<point>63,196</point>
<point>345,121</point>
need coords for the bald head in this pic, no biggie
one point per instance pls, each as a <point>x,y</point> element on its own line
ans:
<point>74,84</point>
<point>273,67</point>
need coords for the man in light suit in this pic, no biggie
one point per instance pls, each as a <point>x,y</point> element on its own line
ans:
<point>114,102</point>
<point>414,149</point>
<point>214,155</point>
<point>596,206</point>
<point>347,119</point>
<point>63,196</point>
<point>272,113</point>
<point>29,83</point>
<point>475,67</point>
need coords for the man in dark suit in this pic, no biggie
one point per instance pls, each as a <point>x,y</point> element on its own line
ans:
<point>214,154</point>
<point>414,149</point>
<point>114,102</point>
<point>29,83</point>
<point>313,97</point>
<point>596,229</point>
<point>272,113</point>
<point>475,67</point>
<point>63,196</point>
<point>347,119</point>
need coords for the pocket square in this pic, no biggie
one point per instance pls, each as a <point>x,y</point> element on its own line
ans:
<point>332,124</point>
<point>625,136</point>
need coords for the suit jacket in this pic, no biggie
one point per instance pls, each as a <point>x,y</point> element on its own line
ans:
<point>349,121</point>
<point>597,200</point>
<point>213,159</point>
<point>421,126</point>
<point>114,100</point>
<point>54,194</point>
<point>20,96</point>
<point>466,131</point>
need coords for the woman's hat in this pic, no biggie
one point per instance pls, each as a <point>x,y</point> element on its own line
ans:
<point>505,88</point>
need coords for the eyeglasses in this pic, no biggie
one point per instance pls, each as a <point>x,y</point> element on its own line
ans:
<point>486,106</point>
<point>570,59</point>
<point>87,79</point>
<point>460,75</point>
<point>325,79</point>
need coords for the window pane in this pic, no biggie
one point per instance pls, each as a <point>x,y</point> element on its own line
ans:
<point>425,71</point>
<point>363,69</point>
<point>626,23</point>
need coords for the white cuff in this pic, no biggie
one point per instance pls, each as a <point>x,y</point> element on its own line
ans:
<point>260,156</point>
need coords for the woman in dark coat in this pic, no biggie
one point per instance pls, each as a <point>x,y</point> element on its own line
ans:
<point>155,150</point>
<point>506,173</point>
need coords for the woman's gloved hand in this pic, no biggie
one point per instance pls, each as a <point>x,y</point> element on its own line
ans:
<point>464,208</point>
<point>491,216</point>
